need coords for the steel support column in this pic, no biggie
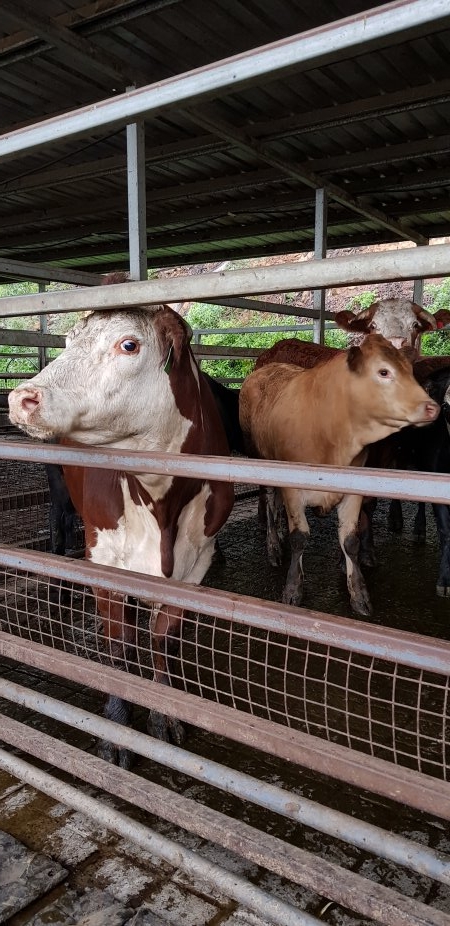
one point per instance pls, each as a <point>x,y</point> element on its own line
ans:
<point>320,253</point>
<point>137,220</point>
<point>42,350</point>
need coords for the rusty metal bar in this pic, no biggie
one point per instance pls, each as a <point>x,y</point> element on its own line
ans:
<point>360,480</point>
<point>339,825</point>
<point>175,854</point>
<point>423,792</point>
<point>328,879</point>
<point>409,649</point>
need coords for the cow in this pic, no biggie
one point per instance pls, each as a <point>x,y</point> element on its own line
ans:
<point>328,415</point>
<point>128,380</point>
<point>400,321</point>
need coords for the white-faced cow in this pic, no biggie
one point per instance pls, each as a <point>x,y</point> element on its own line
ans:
<point>129,380</point>
<point>328,415</point>
<point>400,321</point>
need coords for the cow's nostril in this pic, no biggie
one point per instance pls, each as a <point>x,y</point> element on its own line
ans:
<point>30,402</point>
<point>431,410</point>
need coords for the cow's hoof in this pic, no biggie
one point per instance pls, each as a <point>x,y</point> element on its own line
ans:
<point>361,605</point>
<point>443,591</point>
<point>168,729</point>
<point>115,755</point>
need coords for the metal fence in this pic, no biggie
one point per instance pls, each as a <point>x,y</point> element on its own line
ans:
<point>367,705</point>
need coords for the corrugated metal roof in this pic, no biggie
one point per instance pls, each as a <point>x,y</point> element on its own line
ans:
<point>375,124</point>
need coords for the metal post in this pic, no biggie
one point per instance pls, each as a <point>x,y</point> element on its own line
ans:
<point>137,208</point>
<point>320,253</point>
<point>43,320</point>
<point>418,291</point>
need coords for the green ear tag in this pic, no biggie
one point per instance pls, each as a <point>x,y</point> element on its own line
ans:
<point>168,363</point>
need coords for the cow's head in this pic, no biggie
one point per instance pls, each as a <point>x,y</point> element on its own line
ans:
<point>118,379</point>
<point>383,383</point>
<point>400,321</point>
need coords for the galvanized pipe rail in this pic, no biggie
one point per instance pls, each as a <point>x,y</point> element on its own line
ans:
<point>278,58</point>
<point>381,483</point>
<point>385,905</point>
<point>404,264</point>
<point>341,826</point>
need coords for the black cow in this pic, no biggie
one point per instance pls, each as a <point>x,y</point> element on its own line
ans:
<point>427,449</point>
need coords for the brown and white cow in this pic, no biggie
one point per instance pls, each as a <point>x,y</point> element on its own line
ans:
<point>128,380</point>
<point>328,415</point>
<point>400,321</point>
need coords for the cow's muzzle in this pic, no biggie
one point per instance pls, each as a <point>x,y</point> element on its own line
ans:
<point>25,406</point>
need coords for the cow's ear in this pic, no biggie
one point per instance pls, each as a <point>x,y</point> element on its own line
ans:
<point>427,321</point>
<point>350,321</point>
<point>442,318</point>
<point>354,359</point>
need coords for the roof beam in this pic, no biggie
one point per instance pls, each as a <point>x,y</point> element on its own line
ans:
<point>344,114</point>
<point>81,52</point>
<point>304,174</point>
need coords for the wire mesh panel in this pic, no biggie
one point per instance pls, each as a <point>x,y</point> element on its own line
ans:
<point>383,708</point>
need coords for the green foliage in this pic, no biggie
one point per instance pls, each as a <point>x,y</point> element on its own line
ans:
<point>437,296</point>
<point>361,301</point>
<point>201,316</point>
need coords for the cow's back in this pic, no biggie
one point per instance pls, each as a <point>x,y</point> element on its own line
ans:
<point>301,353</point>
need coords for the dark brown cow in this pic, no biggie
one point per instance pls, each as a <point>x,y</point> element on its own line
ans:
<point>129,380</point>
<point>328,415</point>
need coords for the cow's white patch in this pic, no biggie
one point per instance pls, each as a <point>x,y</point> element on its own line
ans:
<point>135,543</point>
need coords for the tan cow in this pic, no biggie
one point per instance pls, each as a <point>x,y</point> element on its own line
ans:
<point>328,415</point>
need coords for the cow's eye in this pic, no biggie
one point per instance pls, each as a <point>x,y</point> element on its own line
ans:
<point>384,373</point>
<point>129,346</point>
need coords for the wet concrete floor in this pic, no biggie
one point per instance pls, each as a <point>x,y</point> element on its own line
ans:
<point>104,873</point>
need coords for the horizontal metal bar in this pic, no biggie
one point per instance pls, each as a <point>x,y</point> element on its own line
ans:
<point>21,270</point>
<point>13,338</point>
<point>278,58</point>
<point>328,879</point>
<point>403,264</point>
<point>174,853</point>
<point>254,305</point>
<point>381,483</point>
<point>357,636</point>
<point>309,813</point>
<point>396,782</point>
<point>256,329</point>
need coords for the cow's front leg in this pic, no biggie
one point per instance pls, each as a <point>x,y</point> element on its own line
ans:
<point>165,636</point>
<point>298,538</point>
<point>348,514</point>
<point>120,632</point>
<point>442,516</point>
